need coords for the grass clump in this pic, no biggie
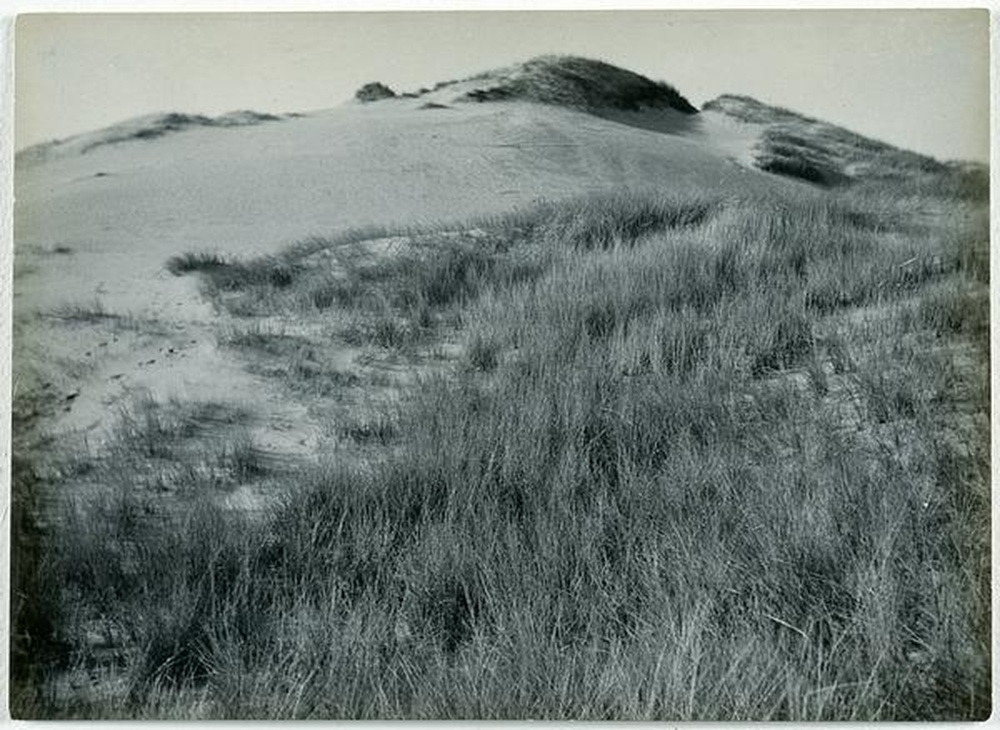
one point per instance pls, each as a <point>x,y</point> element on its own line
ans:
<point>88,313</point>
<point>609,222</point>
<point>956,310</point>
<point>195,261</point>
<point>175,447</point>
<point>226,275</point>
<point>483,354</point>
<point>374,91</point>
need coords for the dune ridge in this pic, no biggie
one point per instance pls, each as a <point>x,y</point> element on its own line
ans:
<point>799,146</point>
<point>145,127</point>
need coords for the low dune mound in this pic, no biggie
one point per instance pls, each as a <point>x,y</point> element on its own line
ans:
<point>575,82</point>
<point>149,126</point>
<point>798,146</point>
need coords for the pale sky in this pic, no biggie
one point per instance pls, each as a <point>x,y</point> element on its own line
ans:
<point>915,78</point>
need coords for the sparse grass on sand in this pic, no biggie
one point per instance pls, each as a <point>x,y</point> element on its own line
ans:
<point>710,459</point>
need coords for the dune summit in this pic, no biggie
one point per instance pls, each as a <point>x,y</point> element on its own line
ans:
<point>569,81</point>
<point>578,82</point>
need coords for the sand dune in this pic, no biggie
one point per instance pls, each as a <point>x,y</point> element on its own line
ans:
<point>205,308</point>
<point>250,190</point>
<point>119,202</point>
<point>117,210</point>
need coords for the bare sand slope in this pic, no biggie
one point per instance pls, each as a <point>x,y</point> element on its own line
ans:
<point>94,230</point>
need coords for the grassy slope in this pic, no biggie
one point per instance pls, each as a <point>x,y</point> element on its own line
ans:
<point>707,459</point>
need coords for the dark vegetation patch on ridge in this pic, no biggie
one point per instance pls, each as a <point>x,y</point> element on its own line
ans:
<point>144,128</point>
<point>579,82</point>
<point>799,146</point>
<point>374,91</point>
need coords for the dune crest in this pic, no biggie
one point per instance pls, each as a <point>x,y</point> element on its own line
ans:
<point>799,146</point>
<point>581,83</point>
<point>569,81</point>
<point>149,126</point>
